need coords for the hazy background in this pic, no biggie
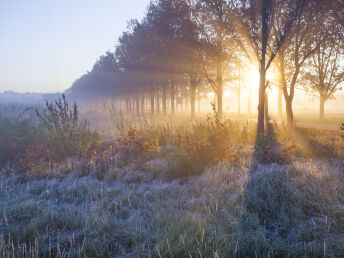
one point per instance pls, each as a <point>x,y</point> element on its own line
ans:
<point>46,45</point>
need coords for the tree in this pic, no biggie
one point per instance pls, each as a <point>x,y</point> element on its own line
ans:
<point>255,24</point>
<point>100,82</point>
<point>337,6</point>
<point>213,22</point>
<point>239,71</point>
<point>299,46</point>
<point>175,34</point>
<point>325,71</point>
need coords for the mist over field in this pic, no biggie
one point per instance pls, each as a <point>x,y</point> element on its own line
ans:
<point>210,128</point>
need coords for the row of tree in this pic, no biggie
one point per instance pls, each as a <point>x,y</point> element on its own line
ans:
<point>182,48</point>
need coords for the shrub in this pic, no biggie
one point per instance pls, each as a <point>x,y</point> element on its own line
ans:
<point>66,134</point>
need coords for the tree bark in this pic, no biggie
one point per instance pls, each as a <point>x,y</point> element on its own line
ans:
<point>152,105</point>
<point>290,115</point>
<point>137,105</point>
<point>172,97</point>
<point>266,108</point>
<point>239,91</point>
<point>219,92</point>
<point>142,105</point>
<point>127,105</point>
<point>261,104</point>
<point>164,108</point>
<point>280,114</point>
<point>158,103</point>
<point>193,100</point>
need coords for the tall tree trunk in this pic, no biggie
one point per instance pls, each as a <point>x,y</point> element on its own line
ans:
<point>239,91</point>
<point>127,106</point>
<point>193,98</point>
<point>280,101</point>
<point>219,92</point>
<point>172,97</point>
<point>322,107</point>
<point>137,105</point>
<point>152,104</point>
<point>266,108</point>
<point>142,105</point>
<point>158,103</point>
<point>164,109</point>
<point>261,104</point>
<point>289,111</point>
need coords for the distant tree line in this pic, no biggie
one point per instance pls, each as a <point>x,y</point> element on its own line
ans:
<point>182,48</point>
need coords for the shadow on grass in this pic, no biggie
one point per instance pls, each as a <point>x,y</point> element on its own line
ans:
<point>280,215</point>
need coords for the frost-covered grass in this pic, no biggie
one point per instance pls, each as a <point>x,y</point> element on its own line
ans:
<point>175,190</point>
<point>231,210</point>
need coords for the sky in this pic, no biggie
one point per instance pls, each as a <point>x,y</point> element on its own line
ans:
<point>45,45</point>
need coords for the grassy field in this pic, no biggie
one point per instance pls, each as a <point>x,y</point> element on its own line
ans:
<point>167,188</point>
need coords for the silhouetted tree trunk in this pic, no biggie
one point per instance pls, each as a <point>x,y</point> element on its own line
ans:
<point>137,99</point>
<point>261,104</point>
<point>239,88</point>
<point>158,103</point>
<point>127,105</point>
<point>142,105</point>
<point>193,100</point>
<point>219,87</point>
<point>266,107</point>
<point>164,109</point>
<point>289,111</point>
<point>280,93</point>
<point>152,104</point>
<point>172,97</point>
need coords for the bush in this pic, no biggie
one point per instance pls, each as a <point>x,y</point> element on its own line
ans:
<point>66,135</point>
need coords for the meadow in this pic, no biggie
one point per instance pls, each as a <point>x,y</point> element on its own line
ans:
<point>134,187</point>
